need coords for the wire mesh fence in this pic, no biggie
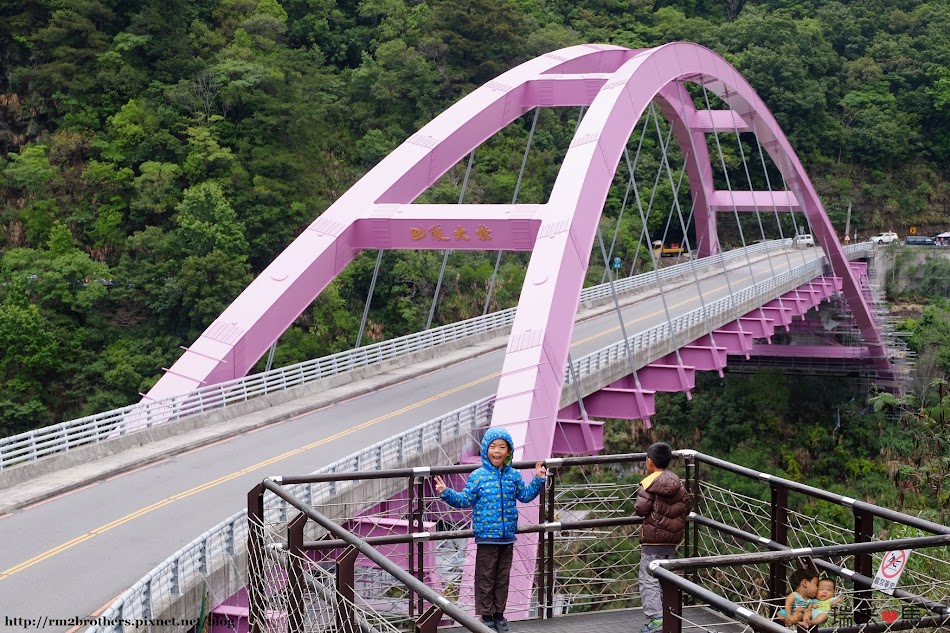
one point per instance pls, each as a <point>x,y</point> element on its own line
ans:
<point>579,550</point>
<point>302,594</point>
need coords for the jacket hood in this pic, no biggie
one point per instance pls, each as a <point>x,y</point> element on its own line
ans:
<point>665,484</point>
<point>495,433</point>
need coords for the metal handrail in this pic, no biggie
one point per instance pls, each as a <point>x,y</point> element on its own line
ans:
<point>220,545</point>
<point>65,436</point>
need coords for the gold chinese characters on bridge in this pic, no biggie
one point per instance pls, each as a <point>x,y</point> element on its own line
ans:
<point>460,234</point>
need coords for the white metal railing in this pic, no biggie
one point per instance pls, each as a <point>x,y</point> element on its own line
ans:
<point>65,436</point>
<point>221,546</point>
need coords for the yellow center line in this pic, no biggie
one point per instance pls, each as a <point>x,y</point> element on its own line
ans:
<point>267,462</point>
<point>220,480</point>
<point>650,315</point>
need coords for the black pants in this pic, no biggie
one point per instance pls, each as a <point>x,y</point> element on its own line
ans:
<point>492,571</point>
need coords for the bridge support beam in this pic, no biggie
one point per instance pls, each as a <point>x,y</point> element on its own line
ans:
<point>700,357</point>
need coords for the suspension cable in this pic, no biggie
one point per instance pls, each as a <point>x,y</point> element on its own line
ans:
<point>755,205</point>
<point>664,161</point>
<point>369,297</point>
<point>514,199</point>
<point>270,357</point>
<point>768,183</point>
<point>717,245</point>
<point>735,209</point>
<point>798,231</point>
<point>626,195</point>
<point>676,190</point>
<point>445,254</point>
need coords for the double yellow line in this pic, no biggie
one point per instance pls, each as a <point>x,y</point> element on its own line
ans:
<point>220,480</point>
<point>267,462</point>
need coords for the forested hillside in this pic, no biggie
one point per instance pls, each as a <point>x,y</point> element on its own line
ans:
<point>156,154</point>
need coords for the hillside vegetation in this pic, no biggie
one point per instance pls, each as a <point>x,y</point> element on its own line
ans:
<point>156,154</point>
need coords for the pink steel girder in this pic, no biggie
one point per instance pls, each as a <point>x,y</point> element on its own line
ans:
<point>617,84</point>
<point>632,397</point>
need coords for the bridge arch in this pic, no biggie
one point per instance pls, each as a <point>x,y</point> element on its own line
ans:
<point>617,84</point>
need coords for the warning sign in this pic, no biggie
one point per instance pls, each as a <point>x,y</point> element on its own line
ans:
<point>889,573</point>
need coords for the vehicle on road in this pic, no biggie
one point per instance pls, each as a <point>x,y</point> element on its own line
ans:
<point>662,250</point>
<point>919,240</point>
<point>885,238</point>
<point>803,240</point>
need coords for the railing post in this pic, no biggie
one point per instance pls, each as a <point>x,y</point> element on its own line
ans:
<point>417,526</point>
<point>778,532</point>
<point>428,622</point>
<point>203,550</point>
<point>863,564</point>
<point>552,511</point>
<point>255,553</point>
<point>411,550</point>
<point>346,595</point>
<point>672,608</point>
<point>692,484</point>
<point>147,599</point>
<point>174,583</point>
<point>295,575</point>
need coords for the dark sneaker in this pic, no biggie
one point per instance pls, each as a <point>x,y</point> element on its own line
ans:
<point>501,625</point>
<point>490,623</point>
<point>653,626</point>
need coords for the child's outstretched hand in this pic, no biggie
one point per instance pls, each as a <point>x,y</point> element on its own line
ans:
<point>439,484</point>
<point>540,470</point>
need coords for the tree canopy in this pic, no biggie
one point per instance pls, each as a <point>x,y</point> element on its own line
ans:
<point>155,155</point>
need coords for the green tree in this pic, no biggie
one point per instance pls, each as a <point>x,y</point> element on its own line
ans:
<point>158,192</point>
<point>206,223</point>
<point>29,362</point>
<point>923,476</point>
<point>31,171</point>
<point>473,41</point>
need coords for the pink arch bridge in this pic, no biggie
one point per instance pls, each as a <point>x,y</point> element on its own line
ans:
<point>617,85</point>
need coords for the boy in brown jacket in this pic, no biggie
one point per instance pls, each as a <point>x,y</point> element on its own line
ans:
<point>664,503</point>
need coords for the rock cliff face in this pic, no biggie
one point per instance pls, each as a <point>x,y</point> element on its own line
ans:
<point>13,123</point>
<point>900,268</point>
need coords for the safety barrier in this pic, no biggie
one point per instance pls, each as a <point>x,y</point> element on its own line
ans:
<point>93,429</point>
<point>223,547</point>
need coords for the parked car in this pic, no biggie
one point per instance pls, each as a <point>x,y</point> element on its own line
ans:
<point>919,240</point>
<point>803,240</point>
<point>885,238</point>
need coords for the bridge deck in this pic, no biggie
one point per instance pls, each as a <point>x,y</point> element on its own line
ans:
<point>698,618</point>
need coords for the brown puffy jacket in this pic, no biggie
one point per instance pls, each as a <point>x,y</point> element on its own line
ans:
<point>664,504</point>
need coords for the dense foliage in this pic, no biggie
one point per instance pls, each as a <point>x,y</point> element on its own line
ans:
<point>156,154</point>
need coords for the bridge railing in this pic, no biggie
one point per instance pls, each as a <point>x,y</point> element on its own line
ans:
<point>665,338</point>
<point>93,429</point>
<point>738,549</point>
<point>220,550</point>
<point>215,561</point>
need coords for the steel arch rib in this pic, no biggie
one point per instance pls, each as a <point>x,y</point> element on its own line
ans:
<point>365,215</point>
<point>618,84</point>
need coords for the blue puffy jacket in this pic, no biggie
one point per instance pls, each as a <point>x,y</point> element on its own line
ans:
<point>491,492</point>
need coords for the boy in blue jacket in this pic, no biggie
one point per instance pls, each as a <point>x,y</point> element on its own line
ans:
<point>492,490</point>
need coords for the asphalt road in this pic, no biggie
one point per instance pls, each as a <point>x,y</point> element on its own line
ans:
<point>72,555</point>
